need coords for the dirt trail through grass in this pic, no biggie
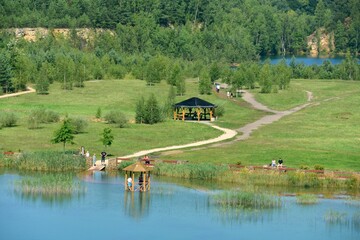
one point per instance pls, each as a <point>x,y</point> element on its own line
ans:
<point>228,133</point>
<point>29,90</point>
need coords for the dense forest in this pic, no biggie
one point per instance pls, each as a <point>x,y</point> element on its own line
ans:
<point>172,39</point>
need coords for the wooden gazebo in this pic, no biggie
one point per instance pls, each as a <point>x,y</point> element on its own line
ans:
<point>194,109</point>
<point>144,178</point>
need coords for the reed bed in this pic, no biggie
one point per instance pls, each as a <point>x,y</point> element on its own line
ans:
<point>49,185</point>
<point>202,171</point>
<point>307,199</point>
<point>247,176</point>
<point>45,161</point>
<point>335,217</point>
<point>246,200</point>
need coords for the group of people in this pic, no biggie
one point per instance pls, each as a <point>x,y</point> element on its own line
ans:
<point>87,155</point>
<point>141,182</point>
<point>279,163</point>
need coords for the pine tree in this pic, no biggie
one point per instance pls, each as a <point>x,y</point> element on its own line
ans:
<point>152,111</point>
<point>107,137</point>
<point>5,74</point>
<point>65,134</point>
<point>140,111</point>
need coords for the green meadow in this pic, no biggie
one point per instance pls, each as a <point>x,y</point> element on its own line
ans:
<point>327,133</point>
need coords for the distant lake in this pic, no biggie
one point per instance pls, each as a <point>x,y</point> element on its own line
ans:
<point>308,61</point>
<point>171,210</point>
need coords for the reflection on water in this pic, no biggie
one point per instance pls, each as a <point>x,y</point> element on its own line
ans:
<point>136,204</point>
<point>178,210</point>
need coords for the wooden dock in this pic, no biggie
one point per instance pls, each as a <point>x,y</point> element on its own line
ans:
<point>97,168</point>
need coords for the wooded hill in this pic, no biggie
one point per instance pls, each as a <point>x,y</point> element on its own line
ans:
<point>235,30</point>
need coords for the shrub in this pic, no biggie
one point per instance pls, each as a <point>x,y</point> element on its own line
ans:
<point>41,115</point>
<point>98,113</point>
<point>116,117</point>
<point>318,167</point>
<point>8,119</point>
<point>304,167</point>
<point>220,111</point>
<point>78,125</point>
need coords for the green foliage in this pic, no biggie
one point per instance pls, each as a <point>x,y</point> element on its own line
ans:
<point>318,167</point>
<point>78,125</point>
<point>140,110</point>
<point>201,171</point>
<point>116,117</point>
<point>205,83</point>
<point>152,111</point>
<point>65,134</point>
<point>306,199</point>
<point>107,137</point>
<point>41,115</point>
<point>5,74</point>
<point>49,185</point>
<point>220,111</point>
<point>45,161</point>
<point>98,113</point>
<point>8,119</point>
<point>246,200</point>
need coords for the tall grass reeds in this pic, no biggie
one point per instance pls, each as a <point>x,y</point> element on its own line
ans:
<point>307,199</point>
<point>49,185</point>
<point>246,200</point>
<point>45,161</point>
<point>335,217</point>
<point>200,171</point>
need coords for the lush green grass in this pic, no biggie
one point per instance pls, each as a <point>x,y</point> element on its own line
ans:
<point>121,95</point>
<point>326,133</point>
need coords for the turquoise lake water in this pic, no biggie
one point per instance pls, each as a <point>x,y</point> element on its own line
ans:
<point>308,61</point>
<point>168,211</point>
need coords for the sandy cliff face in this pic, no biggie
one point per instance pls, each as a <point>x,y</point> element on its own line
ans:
<point>32,34</point>
<point>321,43</point>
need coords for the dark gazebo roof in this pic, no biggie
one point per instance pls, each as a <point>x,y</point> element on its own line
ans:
<point>194,102</point>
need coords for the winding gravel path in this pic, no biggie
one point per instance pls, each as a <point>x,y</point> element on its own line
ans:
<point>228,133</point>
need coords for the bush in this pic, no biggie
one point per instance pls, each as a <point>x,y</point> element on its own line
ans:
<point>41,115</point>
<point>78,125</point>
<point>44,116</point>
<point>318,167</point>
<point>8,119</point>
<point>220,110</point>
<point>116,117</point>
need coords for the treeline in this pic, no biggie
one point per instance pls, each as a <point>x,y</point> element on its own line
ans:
<point>50,59</point>
<point>191,29</point>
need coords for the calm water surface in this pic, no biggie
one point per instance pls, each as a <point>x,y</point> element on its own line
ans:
<point>308,61</point>
<point>169,211</point>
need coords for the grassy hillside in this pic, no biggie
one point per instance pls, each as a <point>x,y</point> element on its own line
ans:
<point>110,95</point>
<point>327,133</point>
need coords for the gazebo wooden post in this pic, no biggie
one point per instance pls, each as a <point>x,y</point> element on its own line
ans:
<point>126,188</point>
<point>174,115</point>
<point>211,113</point>
<point>133,181</point>
<point>198,113</point>
<point>183,114</point>
<point>144,181</point>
